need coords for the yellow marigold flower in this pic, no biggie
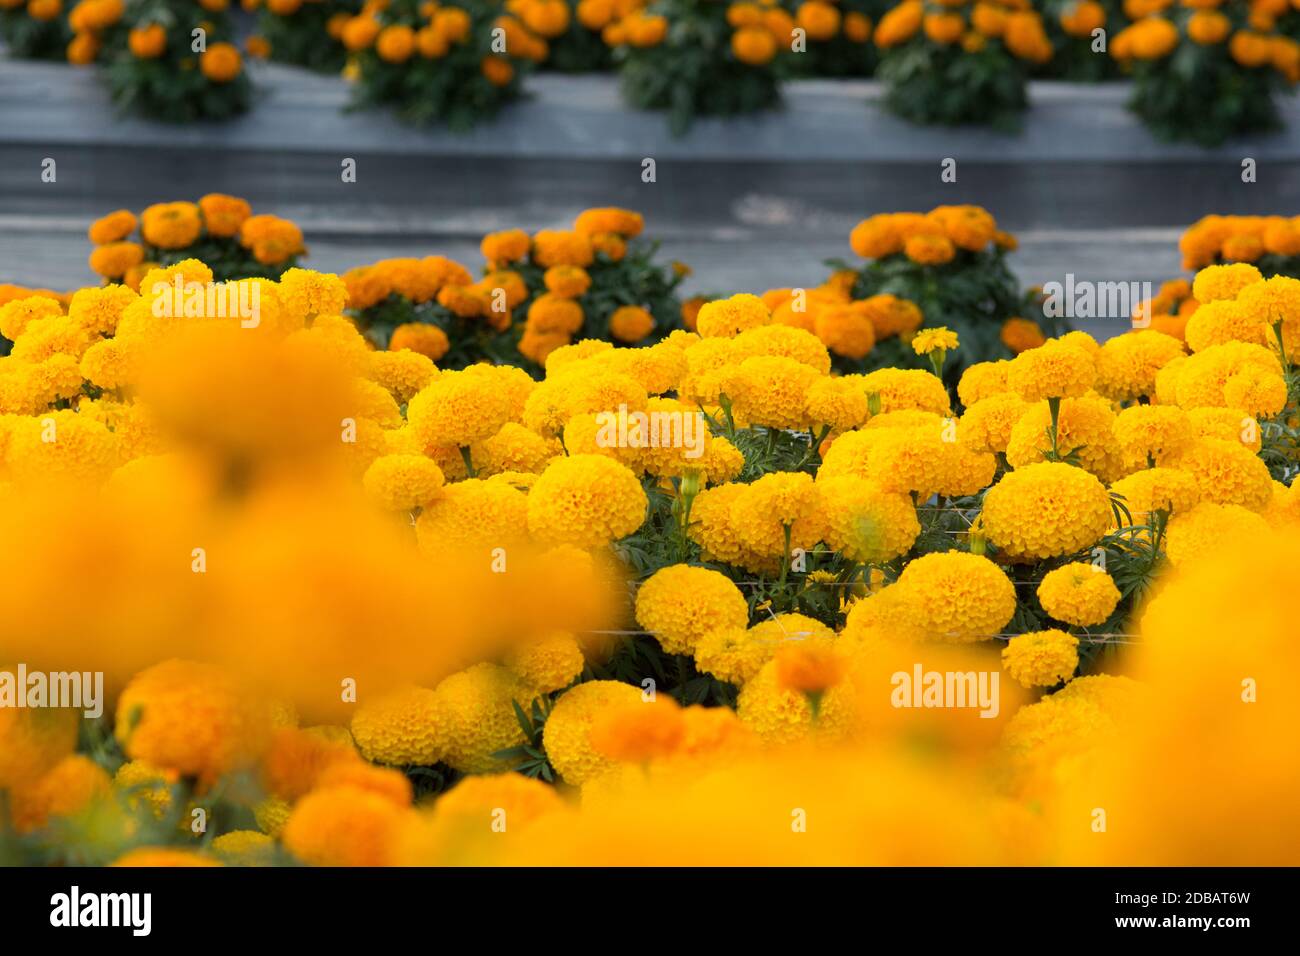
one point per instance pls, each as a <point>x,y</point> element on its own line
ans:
<point>890,315</point>
<point>523,798</point>
<point>1211,528</point>
<point>733,654</point>
<point>1046,510</point>
<point>900,23</point>
<point>344,826</point>
<point>69,787</point>
<point>567,282</point>
<point>162,856</point>
<point>402,728</point>
<point>1157,489</point>
<point>926,459</point>
<point>982,380</point>
<point>1199,381</point>
<point>927,249</point>
<point>1227,424</point>
<point>1041,658</point>
<point>1127,365</point>
<point>1021,335</point>
<point>244,848</point>
<point>877,237</point>
<point>1256,391</point>
<point>658,368</point>
<point>404,373</point>
<point>1223,282</point>
<point>809,667</point>
<point>271,815</point>
<point>623,222</point>
<point>391,784</point>
<point>850,454</point>
<point>223,215</point>
<point>1053,370</point>
<point>631,323</point>
<point>776,502</point>
<point>956,597</point>
<point>553,247</point>
<point>305,293</point>
<point>640,731</point>
<point>548,663</point>
<point>193,718</point>
<point>900,389</point>
<point>114,227</point>
<point>550,313</point>
<point>457,409</point>
<point>988,423</point>
<point>173,225</point>
<point>471,514</point>
<point>711,527</point>
<point>848,330</point>
<point>569,354</point>
<point>1228,473</point>
<point>1152,435</point>
<point>43,338</point>
<point>514,448</point>
<point>769,390</point>
<point>62,444</point>
<point>723,461</point>
<point>835,403</point>
<point>479,716</point>
<point>98,310</point>
<point>403,482</point>
<point>1283,510</point>
<point>585,500</point>
<point>500,248</point>
<point>465,819</point>
<point>272,240</point>
<point>144,785</point>
<point>1215,323</point>
<point>559,398</point>
<point>17,314</point>
<point>296,760</point>
<point>1078,594</point>
<point>785,342</point>
<point>865,524</point>
<point>727,318</point>
<point>567,736</point>
<point>680,604</point>
<point>1086,713</point>
<point>778,715</point>
<point>1085,431</point>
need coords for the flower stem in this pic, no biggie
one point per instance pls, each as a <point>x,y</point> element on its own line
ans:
<point>1054,406</point>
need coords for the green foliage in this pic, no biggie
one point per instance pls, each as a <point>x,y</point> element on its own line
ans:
<point>451,89</point>
<point>225,256</point>
<point>172,88</point>
<point>839,56</point>
<point>1073,57</point>
<point>578,50</point>
<point>973,295</point>
<point>530,757</point>
<point>945,85</point>
<point>301,38</point>
<point>693,72</point>
<point>636,279</point>
<point>1199,93</point>
<point>28,38</point>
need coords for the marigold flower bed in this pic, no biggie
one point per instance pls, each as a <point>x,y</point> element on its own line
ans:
<point>717,597</point>
<point>1203,72</point>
